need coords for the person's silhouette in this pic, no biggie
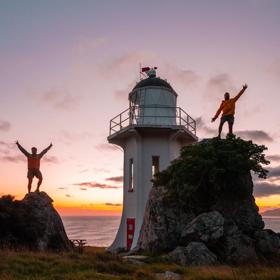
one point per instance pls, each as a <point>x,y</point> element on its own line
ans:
<point>228,108</point>
<point>33,165</point>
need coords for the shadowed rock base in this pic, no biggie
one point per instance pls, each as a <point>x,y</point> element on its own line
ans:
<point>32,223</point>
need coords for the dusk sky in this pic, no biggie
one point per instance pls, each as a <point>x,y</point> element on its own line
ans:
<point>66,68</point>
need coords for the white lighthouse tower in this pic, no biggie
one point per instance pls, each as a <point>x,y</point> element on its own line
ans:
<point>151,133</point>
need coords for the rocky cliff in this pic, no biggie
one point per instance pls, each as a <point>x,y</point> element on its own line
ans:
<point>201,210</point>
<point>32,223</point>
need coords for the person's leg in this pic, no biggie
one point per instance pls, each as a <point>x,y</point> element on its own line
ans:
<point>40,180</point>
<point>39,184</point>
<point>230,125</point>
<point>30,179</point>
<point>221,126</point>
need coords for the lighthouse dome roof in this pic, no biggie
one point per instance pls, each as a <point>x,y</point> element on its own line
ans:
<point>155,81</point>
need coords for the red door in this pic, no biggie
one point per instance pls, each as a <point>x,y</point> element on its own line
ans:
<point>130,227</point>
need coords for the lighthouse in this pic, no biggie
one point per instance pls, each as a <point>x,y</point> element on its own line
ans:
<point>151,133</point>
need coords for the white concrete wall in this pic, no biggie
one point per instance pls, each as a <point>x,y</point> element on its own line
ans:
<point>129,198</point>
<point>142,147</point>
<point>151,146</point>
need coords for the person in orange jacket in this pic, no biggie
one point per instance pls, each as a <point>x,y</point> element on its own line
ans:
<point>228,108</point>
<point>33,165</point>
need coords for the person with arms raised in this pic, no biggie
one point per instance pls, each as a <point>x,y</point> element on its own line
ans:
<point>228,109</point>
<point>33,165</point>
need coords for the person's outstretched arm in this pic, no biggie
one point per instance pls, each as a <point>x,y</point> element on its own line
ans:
<point>45,150</point>
<point>22,149</point>
<point>218,113</point>
<point>240,93</point>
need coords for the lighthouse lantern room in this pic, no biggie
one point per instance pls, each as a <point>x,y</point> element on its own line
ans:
<point>151,133</point>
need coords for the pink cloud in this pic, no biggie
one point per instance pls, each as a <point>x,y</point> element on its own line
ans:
<point>107,147</point>
<point>257,135</point>
<point>274,68</point>
<point>113,204</point>
<point>202,127</point>
<point>116,179</point>
<point>96,185</point>
<point>101,170</point>
<point>50,159</point>
<point>14,159</point>
<point>273,157</point>
<point>58,99</point>
<point>5,125</point>
<point>186,77</point>
<point>218,85</point>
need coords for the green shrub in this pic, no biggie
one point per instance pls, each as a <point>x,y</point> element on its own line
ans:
<point>211,167</point>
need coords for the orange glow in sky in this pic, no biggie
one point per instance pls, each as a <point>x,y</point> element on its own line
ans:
<point>67,69</point>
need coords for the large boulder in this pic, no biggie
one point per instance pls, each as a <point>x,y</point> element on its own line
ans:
<point>162,223</point>
<point>168,224</point>
<point>32,223</point>
<point>196,253</point>
<point>237,248</point>
<point>267,243</point>
<point>206,227</point>
<point>243,212</point>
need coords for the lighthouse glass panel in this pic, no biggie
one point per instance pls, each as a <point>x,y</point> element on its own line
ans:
<point>155,165</point>
<point>131,179</point>
<point>156,106</point>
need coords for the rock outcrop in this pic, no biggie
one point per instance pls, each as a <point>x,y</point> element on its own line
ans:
<point>200,218</point>
<point>32,223</point>
<point>196,253</point>
<point>206,227</point>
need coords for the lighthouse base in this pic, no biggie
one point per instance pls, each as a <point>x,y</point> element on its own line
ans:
<point>146,152</point>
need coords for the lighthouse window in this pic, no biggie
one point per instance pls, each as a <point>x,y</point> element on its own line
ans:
<point>155,165</point>
<point>131,179</point>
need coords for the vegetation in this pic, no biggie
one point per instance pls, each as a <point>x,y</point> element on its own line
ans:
<point>213,166</point>
<point>13,214</point>
<point>96,264</point>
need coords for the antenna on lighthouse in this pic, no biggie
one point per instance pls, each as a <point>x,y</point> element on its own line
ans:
<point>140,72</point>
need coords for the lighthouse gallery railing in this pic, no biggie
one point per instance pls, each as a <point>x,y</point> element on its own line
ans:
<point>149,116</point>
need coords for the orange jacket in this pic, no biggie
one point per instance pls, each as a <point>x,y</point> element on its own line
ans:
<point>33,162</point>
<point>228,106</point>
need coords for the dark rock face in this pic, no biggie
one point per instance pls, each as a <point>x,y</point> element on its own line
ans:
<point>237,248</point>
<point>196,253</point>
<point>161,223</point>
<point>206,227</point>
<point>32,223</point>
<point>268,243</point>
<point>231,229</point>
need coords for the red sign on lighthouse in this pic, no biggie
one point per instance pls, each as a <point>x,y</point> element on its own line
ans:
<point>130,227</point>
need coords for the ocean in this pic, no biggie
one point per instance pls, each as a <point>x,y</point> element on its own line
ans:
<point>272,222</point>
<point>97,230</point>
<point>101,231</point>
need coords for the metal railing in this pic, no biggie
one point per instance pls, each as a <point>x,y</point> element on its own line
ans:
<point>155,116</point>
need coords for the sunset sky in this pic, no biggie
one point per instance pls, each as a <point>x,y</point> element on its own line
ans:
<point>66,68</point>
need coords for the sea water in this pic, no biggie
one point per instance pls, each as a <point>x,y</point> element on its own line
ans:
<point>272,222</point>
<point>97,230</point>
<point>101,231</point>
